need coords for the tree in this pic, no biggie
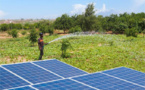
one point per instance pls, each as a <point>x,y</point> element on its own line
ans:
<point>101,24</point>
<point>26,26</point>
<point>57,24</point>
<point>18,26</point>
<point>90,10</point>
<point>14,33</point>
<point>64,22</point>
<point>141,24</point>
<point>75,29</point>
<point>33,36</point>
<point>23,32</point>
<point>120,28</point>
<point>80,21</point>
<point>37,25</point>
<point>11,26</point>
<point>49,29</point>
<point>44,22</point>
<point>116,23</point>
<point>90,18</point>
<point>42,29</point>
<point>31,26</point>
<point>131,32</point>
<point>4,27</point>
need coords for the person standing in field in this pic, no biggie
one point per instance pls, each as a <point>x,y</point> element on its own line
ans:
<point>41,45</point>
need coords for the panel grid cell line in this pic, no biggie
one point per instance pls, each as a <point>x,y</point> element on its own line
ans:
<point>128,74</point>
<point>65,84</point>
<point>60,68</point>
<point>31,72</point>
<point>23,88</point>
<point>104,82</point>
<point>8,80</point>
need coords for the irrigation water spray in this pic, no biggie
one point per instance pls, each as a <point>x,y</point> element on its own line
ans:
<point>74,35</point>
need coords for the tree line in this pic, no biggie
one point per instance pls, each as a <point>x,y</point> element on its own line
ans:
<point>88,21</point>
<point>130,24</point>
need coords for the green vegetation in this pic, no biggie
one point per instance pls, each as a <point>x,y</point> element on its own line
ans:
<point>4,27</point>
<point>75,29</point>
<point>64,22</point>
<point>33,36</point>
<point>131,32</point>
<point>87,21</point>
<point>64,47</point>
<point>13,33</point>
<point>23,32</point>
<point>49,29</point>
<point>143,32</point>
<point>90,53</point>
<point>42,29</point>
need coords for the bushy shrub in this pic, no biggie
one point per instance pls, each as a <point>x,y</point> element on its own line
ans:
<point>4,27</point>
<point>33,36</point>
<point>18,26</point>
<point>23,32</point>
<point>14,33</point>
<point>49,29</point>
<point>75,29</point>
<point>119,28</point>
<point>42,29</point>
<point>131,32</point>
<point>64,47</point>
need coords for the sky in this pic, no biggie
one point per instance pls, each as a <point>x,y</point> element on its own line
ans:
<point>51,9</point>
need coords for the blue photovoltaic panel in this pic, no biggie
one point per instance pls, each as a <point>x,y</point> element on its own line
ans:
<point>8,80</point>
<point>60,68</point>
<point>31,72</point>
<point>128,74</point>
<point>23,88</point>
<point>102,81</point>
<point>66,84</point>
<point>118,78</point>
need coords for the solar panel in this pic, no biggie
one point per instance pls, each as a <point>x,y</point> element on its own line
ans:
<point>128,74</point>
<point>53,74</point>
<point>23,88</point>
<point>102,81</point>
<point>31,72</point>
<point>8,80</point>
<point>60,68</point>
<point>65,84</point>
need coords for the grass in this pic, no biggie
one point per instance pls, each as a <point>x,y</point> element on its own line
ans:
<point>89,53</point>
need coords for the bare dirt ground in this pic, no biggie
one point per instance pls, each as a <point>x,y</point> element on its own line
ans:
<point>14,60</point>
<point>4,35</point>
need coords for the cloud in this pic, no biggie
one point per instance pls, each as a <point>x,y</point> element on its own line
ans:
<point>138,3</point>
<point>103,10</point>
<point>106,12</point>
<point>2,14</point>
<point>78,9</point>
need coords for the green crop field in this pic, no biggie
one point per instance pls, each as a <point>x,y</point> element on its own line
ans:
<point>89,53</point>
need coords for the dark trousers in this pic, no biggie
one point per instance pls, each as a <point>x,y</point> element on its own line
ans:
<point>41,54</point>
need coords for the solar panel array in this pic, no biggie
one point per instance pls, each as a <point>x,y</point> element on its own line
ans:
<point>56,75</point>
